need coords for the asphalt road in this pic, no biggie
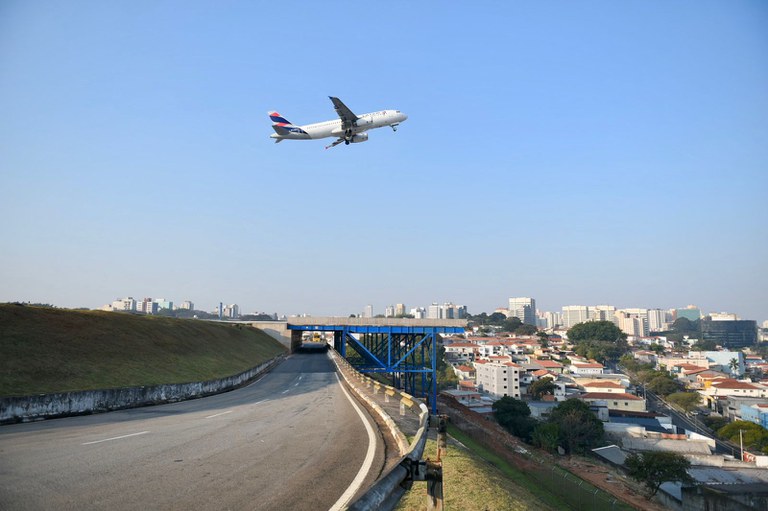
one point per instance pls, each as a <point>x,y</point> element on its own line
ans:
<point>291,440</point>
<point>690,423</point>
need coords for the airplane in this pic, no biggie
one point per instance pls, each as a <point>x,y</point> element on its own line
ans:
<point>349,127</point>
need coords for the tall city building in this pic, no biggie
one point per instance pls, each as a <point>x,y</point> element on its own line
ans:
<point>389,311</point>
<point>524,309</point>
<point>186,304</point>
<point>400,310</point>
<point>147,306</point>
<point>162,303</point>
<point>657,320</point>
<point>574,314</point>
<point>124,304</point>
<point>448,310</point>
<point>231,311</point>
<point>691,313</point>
<point>604,313</point>
<point>368,311</point>
<point>419,313</point>
<point>633,321</point>
<point>730,333</point>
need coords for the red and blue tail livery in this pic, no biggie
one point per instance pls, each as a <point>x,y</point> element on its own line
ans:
<point>277,118</point>
<point>349,128</point>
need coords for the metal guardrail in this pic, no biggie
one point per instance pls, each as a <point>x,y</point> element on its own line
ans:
<point>387,491</point>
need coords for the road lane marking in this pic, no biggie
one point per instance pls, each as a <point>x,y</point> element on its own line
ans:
<point>115,438</point>
<point>357,482</point>
<point>218,414</point>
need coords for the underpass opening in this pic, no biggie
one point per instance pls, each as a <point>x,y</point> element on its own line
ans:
<point>315,342</point>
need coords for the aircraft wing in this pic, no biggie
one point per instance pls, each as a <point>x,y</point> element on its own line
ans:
<point>345,114</point>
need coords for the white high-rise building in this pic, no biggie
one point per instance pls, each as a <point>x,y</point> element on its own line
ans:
<point>147,306</point>
<point>657,320</point>
<point>389,311</point>
<point>633,321</point>
<point>186,304</point>
<point>231,311</point>
<point>419,312</point>
<point>548,319</point>
<point>368,311</point>
<point>400,310</point>
<point>433,311</point>
<point>574,314</point>
<point>523,308</point>
<point>124,304</point>
<point>604,313</point>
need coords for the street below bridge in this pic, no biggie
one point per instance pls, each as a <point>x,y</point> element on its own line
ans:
<point>291,440</point>
<point>692,423</point>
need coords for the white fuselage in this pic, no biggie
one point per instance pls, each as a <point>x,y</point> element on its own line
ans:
<point>333,128</point>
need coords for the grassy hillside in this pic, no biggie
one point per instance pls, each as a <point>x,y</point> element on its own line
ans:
<point>473,483</point>
<point>51,350</point>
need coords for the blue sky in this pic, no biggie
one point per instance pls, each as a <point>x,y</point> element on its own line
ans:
<point>576,152</point>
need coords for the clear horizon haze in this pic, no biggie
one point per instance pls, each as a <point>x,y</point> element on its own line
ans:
<point>587,153</point>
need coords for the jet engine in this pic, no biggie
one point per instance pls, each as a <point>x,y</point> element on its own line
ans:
<point>360,137</point>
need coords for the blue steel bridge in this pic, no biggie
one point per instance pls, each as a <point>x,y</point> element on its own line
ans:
<point>404,349</point>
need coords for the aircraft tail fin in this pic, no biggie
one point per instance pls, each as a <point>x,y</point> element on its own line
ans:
<point>279,119</point>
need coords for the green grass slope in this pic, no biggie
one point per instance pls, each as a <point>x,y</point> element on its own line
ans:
<point>46,350</point>
<point>472,483</point>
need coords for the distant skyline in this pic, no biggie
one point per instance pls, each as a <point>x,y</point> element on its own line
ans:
<point>589,152</point>
<point>380,309</point>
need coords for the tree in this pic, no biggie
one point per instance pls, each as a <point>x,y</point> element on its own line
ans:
<point>663,384</point>
<point>546,436</point>
<point>580,429</point>
<point>655,468</point>
<point>596,331</point>
<point>497,318</point>
<point>544,386</point>
<point>753,436</point>
<point>599,340</point>
<point>512,324</point>
<point>704,346</point>
<point>734,365</point>
<point>525,329</point>
<point>688,401</point>
<point>543,339</point>
<point>514,416</point>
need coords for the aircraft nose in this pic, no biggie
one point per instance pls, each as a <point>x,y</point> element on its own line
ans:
<point>404,117</point>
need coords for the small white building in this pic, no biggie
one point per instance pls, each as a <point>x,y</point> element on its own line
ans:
<point>586,368</point>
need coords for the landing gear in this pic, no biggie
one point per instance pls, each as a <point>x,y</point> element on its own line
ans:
<point>346,142</point>
<point>394,127</point>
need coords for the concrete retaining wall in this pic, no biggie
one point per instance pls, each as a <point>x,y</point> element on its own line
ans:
<point>65,404</point>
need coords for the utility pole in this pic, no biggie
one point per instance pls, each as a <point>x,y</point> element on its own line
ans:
<point>741,443</point>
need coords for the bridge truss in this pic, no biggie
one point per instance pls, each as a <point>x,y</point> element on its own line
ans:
<point>408,354</point>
